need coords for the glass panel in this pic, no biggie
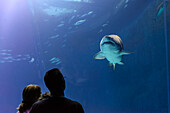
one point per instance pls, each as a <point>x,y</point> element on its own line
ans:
<point>127,77</point>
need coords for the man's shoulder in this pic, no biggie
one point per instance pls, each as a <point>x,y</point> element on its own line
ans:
<point>72,101</point>
<point>57,104</point>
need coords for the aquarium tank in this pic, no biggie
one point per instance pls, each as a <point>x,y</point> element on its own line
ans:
<point>113,53</point>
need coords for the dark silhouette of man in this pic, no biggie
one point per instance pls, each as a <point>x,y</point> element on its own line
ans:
<point>56,103</point>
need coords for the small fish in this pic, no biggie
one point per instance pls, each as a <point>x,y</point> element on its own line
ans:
<point>3,53</point>
<point>111,47</point>
<point>75,11</point>
<point>160,8</point>
<point>126,1</point>
<point>80,22</point>
<point>52,58</point>
<point>3,50</point>
<point>89,13</point>
<point>83,15</point>
<point>101,30</point>
<point>53,62</point>
<point>32,60</point>
<point>56,36</point>
<point>125,6</point>
<point>60,25</point>
<point>71,18</point>
<point>6,58</point>
<point>104,25</point>
<point>10,61</point>
<point>51,11</point>
<point>57,59</point>
<point>121,2</point>
<point>58,63</point>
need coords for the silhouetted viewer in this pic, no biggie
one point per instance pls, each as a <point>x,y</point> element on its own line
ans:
<point>56,103</point>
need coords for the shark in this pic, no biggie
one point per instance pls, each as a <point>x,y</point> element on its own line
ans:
<point>111,48</point>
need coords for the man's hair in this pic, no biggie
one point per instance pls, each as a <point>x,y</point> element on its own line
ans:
<point>54,81</point>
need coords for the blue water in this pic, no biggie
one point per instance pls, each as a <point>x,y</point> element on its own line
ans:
<point>38,35</point>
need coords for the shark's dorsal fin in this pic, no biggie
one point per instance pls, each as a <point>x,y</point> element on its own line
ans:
<point>99,55</point>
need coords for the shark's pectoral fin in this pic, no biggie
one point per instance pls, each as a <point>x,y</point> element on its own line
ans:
<point>121,63</point>
<point>99,55</point>
<point>114,66</point>
<point>125,53</point>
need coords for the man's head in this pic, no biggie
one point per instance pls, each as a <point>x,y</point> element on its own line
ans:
<point>54,81</point>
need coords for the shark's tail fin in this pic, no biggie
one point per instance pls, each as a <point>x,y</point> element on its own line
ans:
<point>114,65</point>
<point>110,64</point>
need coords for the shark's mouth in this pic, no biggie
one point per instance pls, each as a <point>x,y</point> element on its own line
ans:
<point>108,42</point>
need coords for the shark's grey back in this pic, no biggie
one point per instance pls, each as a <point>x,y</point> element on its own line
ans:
<point>117,40</point>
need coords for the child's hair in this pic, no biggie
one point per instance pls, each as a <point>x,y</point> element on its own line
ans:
<point>30,94</point>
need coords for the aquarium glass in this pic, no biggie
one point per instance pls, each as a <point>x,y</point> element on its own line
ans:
<point>39,35</point>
